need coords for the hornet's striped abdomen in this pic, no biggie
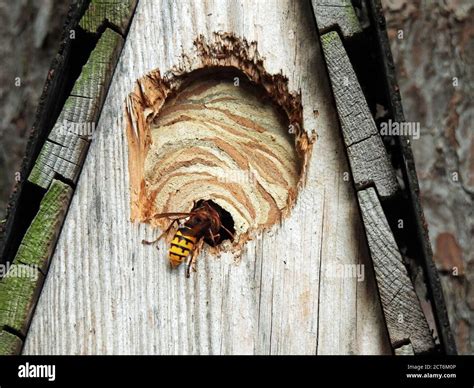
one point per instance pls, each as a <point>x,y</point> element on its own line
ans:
<point>181,246</point>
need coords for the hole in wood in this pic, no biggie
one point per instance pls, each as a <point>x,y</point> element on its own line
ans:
<point>226,231</point>
<point>222,130</point>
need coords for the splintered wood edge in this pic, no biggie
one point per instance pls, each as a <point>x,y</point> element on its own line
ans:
<point>403,315</point>
<point>20,288</point>
<point>145,102</point>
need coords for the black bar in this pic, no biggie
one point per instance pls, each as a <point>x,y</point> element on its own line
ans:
<point>323,371</point>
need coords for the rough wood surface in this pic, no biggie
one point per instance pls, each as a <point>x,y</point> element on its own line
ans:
<point>367,155</point>
<point>106,293</point>
<point>336,14</point>
<point>115,12</point>
<point>405,350</point>
<point>19,291</point>
<point>9,343</point>
<point>405,320</point>
<point>436,83</point>
<point>20,288</point>
<point>38,243</point>
<point>64,151</point>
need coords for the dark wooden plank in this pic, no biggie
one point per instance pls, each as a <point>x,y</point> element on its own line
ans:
<point>62,154</point>
<point>38,243</point>
<point>26,197</point>
<point>19,291</point>
<point>408,168</point>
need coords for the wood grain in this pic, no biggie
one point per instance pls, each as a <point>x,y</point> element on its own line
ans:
<point>367,155</point>
<point>9,343</point>
<point>20,288</point>
<point>405,321</point>
<point>108,294</point>
<point>67,144</point>
<point>116,13</point>
<point>336,14</point>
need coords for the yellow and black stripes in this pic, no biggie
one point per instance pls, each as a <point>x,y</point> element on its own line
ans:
<point>181,246</point>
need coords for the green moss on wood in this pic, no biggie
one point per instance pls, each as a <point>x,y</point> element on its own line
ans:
<point>20,288</point>
<point>38,243</point>
<point>10,344</point>
<point>329,38</point>
<point>18,294</point>
<point>82,107</point>
<point>342,15</point>
<point>96,73</point>
<point>116,12</point>
<point>41,174</point>
<point>351,20</point>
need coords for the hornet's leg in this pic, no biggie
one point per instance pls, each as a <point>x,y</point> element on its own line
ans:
<point>231,235</point>
<point>192,259</point>
<point>161,235</point>
<point>214,237</point>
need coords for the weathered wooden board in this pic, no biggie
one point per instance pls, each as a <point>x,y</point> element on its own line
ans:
<point>115,13</point>
<point>61,157</point>
<point>20,288</point>
<point>9,343</point>
<point>454,197</point>
<point>405,321</point>
<point>367,155</point>
<point>407,327</point>
<point>337,14</point>
<point>106,293</point>
<point>64,150</point>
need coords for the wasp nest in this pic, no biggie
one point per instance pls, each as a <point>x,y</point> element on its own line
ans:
<point>221,129</point>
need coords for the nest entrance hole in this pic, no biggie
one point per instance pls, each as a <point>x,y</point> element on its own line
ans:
<point>226,220</point>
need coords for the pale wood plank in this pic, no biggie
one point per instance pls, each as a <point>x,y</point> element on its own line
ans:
<point>106,293</point>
